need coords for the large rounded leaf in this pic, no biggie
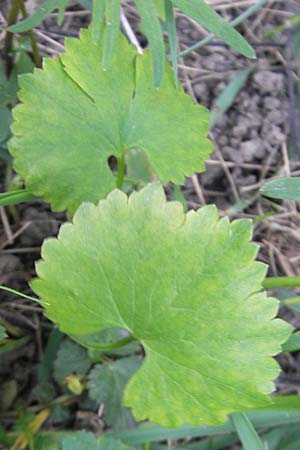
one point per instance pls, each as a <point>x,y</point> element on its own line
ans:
<point>186,286</point>
<point>75,115</point>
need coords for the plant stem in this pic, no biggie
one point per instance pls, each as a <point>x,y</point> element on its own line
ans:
<point>33,41</point>
<point>237,21</point>
<point>279,282</point>
<point>18,5</point>
<point>8,41</point>
<point>121,171</point>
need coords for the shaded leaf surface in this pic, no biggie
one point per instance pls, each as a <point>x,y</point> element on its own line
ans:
<point>106,385</point>
<point>71,359</point>
<point>107,337</point>
<point>3,334</point>
<point>75,115</point>
<point>186,286</point>
<point>293,343</point>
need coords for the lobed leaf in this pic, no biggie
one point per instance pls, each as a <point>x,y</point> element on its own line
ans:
<point>186,286</point>
<point>106,385</point>
<point>71,359</point>
<point>75,115</point>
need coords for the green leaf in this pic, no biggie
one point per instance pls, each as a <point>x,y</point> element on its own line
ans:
<point>151,433</point>
<point>172,37</point>
<point>152,29</point>
<point>209,19</point>
<point>62,4</point>
<point>292,302</point>
<point>71,359</point>
<point>12,344</point>
<point>186,286</point>
<point>284,188</point>
<point>81,441</point>
<point>246,432</point>
<point>46,365</point>
<point>112,30</point>
<point>106,385</point>
<point>15,197</point>
<point>138,167</point>
<point>294,445</point>
<point>5,122</point>
<point>86,4</point>
<point>284,403</point>
<point>87,441</point>
<point>39,15</point>
<point>293,343</point>
<point>9,88</point>
<point>98,20</point>
<point>75,104</point>
<point>3,334</point>
<point>112,444</point>
<point>160,8</point>
<point>227,97</point>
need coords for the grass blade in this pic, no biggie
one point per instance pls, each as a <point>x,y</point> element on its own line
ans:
<point>153,32</point>
<point>160,8</point>
<point>39,15</point>
<point>209,19</point>
<point>12,344</point>
<point>246,432</point>
<point>287,403</point>
<point>86,4</point>
<point>15,197</point>
<point>260,419</point>
<point>46,365</point>
<point>234,23</point>
<point>97,20</point>
<point>61,11</point>
<point>285,188</point>
<point>227,97</point>
<point>112,30</point>
<point>171,28</point>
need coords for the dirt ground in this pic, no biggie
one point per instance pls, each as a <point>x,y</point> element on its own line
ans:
<point>257,139</point>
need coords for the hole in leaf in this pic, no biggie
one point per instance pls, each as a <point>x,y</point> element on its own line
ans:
<point>113,163</point>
